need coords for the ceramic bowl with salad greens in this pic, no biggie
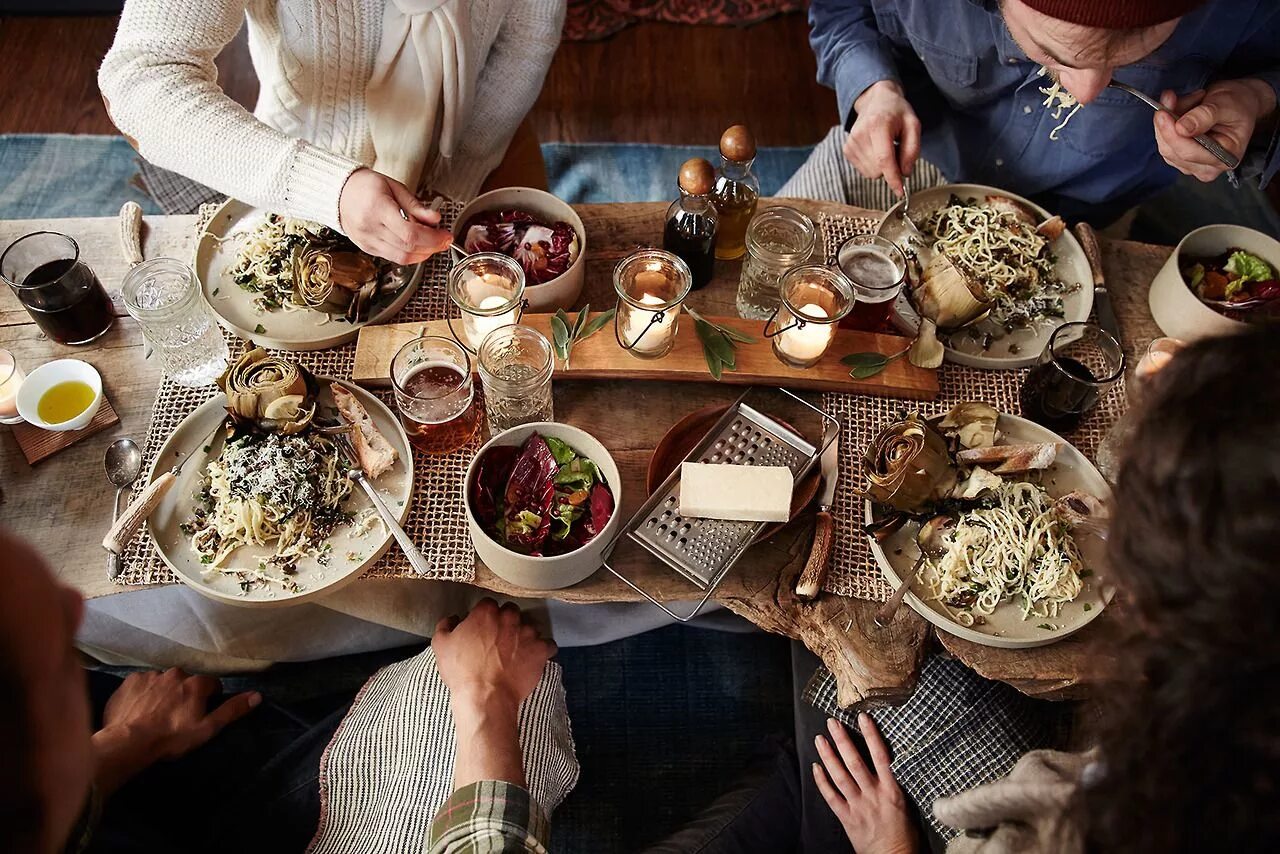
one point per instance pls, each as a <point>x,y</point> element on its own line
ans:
<point>542,502</point>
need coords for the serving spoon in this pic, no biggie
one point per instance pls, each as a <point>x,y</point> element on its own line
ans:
<point>930,539</point>
<point>123,462</point>
<point>1209,144</point>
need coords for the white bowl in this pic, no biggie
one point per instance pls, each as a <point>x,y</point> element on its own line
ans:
<point>546,573</point>
<point>1177,310</point>
<point>563,290</point>
<point>46,377</point>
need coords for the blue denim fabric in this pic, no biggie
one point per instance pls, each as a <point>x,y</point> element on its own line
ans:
<point>978,99</point>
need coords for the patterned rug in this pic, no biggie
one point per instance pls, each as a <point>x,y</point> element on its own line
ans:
<point>596,19</point>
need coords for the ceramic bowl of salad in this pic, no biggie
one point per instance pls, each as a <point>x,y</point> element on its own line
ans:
<point>540,231</point>
<point>1218,281</point>
<point>542,504</point>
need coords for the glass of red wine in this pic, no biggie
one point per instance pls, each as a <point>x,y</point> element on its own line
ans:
<point>1080,364</point>
<point>60,292</point>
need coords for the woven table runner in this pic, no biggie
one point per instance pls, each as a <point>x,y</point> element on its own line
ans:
<point>437,520</point>
<point>854,571</point>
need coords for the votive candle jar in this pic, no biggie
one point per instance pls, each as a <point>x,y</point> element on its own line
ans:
<point>488,288</point>
<point>652,285</point>
<point>11,377</point>
<point>813,299</point>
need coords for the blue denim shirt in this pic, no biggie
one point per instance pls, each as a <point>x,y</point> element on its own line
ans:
<point>978,99</point>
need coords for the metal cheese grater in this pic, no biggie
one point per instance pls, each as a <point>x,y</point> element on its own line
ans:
<point>703,550</point>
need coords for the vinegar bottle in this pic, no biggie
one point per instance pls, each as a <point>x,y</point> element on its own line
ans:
<point>692,221</point>
<point>736,191</point>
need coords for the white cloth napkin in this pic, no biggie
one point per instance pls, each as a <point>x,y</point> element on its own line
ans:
<point>420,92</point>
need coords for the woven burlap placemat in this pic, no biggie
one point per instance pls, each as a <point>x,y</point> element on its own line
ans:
<point>854,571</point>
<point>437,521</point>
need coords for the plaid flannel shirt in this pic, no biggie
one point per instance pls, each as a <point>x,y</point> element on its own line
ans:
<point>486,817</point>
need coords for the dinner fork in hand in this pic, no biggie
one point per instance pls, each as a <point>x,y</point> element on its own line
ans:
<point>355,473</point>
<point>1211,145</point>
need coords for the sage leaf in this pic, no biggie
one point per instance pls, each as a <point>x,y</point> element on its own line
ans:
<point>596,323</point>
<point>740,337</point>
<point>858,360</point>
<point>560,334</point>
<point>581,321</point>
<point>714,365</point>
<point>863,372</point>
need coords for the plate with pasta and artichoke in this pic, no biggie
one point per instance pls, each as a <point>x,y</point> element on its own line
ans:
<point>263,513</point>
<point>998,274</point>
<point>1007,519</point>
<point>291,284</point>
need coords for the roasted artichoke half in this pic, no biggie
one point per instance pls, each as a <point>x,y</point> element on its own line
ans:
<point>908,466</point>
<point>331,275</point>
<point>269,394</point>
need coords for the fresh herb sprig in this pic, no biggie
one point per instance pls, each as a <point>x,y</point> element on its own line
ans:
<point>565,332</point>
<point>719,344</point>
<point>866,365</point>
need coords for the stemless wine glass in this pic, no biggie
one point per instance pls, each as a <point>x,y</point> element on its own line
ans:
<point>435,394</point>
<point>1078,366</point>
<point>60,292</point>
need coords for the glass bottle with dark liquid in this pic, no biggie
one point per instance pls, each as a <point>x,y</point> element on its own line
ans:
<point>692,221</point>
<point>1058,393</point>
<point>60,292</point>
<point>736,192</point>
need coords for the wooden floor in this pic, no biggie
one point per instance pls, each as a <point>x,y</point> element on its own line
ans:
<point>661,83</point>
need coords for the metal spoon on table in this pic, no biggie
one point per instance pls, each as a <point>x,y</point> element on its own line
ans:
<point>930,539</point>
<point>1209,144</point>
<point>123,461</point>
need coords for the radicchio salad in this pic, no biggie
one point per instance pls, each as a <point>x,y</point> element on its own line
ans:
<point>543,250</point>
<point>540,499</point>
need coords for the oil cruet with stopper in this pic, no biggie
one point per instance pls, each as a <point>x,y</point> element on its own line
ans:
<point>692,221</point>
<point>736,191</point>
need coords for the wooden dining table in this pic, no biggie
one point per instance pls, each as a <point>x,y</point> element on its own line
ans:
<point>62,505</point>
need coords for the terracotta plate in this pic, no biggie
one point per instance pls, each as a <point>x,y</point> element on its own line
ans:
<point>688,432</point>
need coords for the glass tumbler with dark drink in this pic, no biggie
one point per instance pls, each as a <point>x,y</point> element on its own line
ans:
<point>435,394</point>
<point>878,270</point>
<point>59,291</point>
<point>1080,364</point>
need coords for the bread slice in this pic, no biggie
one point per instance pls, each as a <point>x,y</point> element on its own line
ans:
<point>1011,459</point>
<point>374,453</point>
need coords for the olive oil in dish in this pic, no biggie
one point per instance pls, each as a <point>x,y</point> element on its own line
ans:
<point>64,401</point>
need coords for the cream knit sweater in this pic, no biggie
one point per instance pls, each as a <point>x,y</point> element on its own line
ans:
<point>310,129</point>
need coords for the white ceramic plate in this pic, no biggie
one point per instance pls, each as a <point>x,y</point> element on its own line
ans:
<point>1016,349</point>
<point>350,556</point>
<point>282,330</point>
<point>1005,627</point>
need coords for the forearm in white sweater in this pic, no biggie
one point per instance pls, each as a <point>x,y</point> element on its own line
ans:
<point>505,92</point>
<point>160,84</point>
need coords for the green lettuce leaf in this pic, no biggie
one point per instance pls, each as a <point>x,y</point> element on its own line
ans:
<point>1250,268</point>
<point>560,450</point>
<point>580,473</point>
<point>562,520</point>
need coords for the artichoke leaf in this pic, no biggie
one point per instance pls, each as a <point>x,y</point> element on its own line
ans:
<point>948,295</point>
<point>926,351</point>
<point>908,466</point>
<point>972,422</point>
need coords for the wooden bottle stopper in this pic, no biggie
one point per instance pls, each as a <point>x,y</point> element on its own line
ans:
<point>737,144</point>
<point>696,176</point>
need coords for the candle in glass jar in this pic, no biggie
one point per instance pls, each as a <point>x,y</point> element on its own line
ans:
<point>640,323</point>
<point>807,343</point>
<point>11,377</point>
<point>480,325</point>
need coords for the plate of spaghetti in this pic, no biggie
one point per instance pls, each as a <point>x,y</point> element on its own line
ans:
<point>1027,272</point>
<point>291,284</point>
<point>1010,533</point>
<point>265,514</point>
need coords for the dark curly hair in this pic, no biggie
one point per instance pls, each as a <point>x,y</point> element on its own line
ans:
<point>1191,745</point>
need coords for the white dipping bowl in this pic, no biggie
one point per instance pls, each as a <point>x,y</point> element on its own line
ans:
<point>1177,310</point>
<point>546,573</point>
<point>46,377</point>
<point>563,290</point>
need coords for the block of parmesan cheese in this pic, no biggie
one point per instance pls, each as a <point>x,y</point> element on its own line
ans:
<point>739,493</point>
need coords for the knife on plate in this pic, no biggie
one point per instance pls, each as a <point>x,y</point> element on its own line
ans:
<point>1101,296</point>
<point>815,570</point>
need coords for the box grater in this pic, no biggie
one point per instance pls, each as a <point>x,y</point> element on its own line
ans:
<point>703,550</point>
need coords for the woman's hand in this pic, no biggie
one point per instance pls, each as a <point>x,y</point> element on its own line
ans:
<point>156,716</point>
<point>869,804</point>
<point>884,141</point>
<point>1227,111</point>
<point>385,219</point>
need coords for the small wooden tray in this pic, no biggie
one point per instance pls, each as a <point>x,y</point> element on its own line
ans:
<point>600,357</point>
<point>38,444</point>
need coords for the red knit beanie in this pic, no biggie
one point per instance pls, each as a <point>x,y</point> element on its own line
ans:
<point>1114,14</point>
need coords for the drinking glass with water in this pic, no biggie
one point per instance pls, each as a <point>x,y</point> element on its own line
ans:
<point>165,299</point>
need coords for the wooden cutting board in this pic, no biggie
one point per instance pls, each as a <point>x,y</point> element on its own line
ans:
<point>601,357</point>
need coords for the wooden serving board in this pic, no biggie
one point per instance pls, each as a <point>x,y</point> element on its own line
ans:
<point>601,357</point>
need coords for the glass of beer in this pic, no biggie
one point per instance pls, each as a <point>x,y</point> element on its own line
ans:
<point>60,292</point>
<point>878,270</point>
<point>435,394</point>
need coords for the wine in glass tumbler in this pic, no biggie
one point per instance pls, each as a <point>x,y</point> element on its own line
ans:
<point>435,394</point>
<point>878,270</point>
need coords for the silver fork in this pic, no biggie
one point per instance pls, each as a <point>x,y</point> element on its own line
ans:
<point>355,473</point>
<point>1210,144</point>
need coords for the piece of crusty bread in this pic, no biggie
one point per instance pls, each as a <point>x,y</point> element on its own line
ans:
<point>1011,459</point>
<point>374,453</point>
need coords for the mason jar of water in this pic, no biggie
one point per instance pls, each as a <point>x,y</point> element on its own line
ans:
<point>778,239</point>
<point>164,297</point>
<point>516,364</point>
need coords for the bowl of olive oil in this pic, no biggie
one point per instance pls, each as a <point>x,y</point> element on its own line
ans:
<point>61,395</point>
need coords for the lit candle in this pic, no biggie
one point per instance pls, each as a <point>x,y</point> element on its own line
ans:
<point>478,326</point>
<point>807,343</point>
<point>642,332</point>
<point>11,377</point>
